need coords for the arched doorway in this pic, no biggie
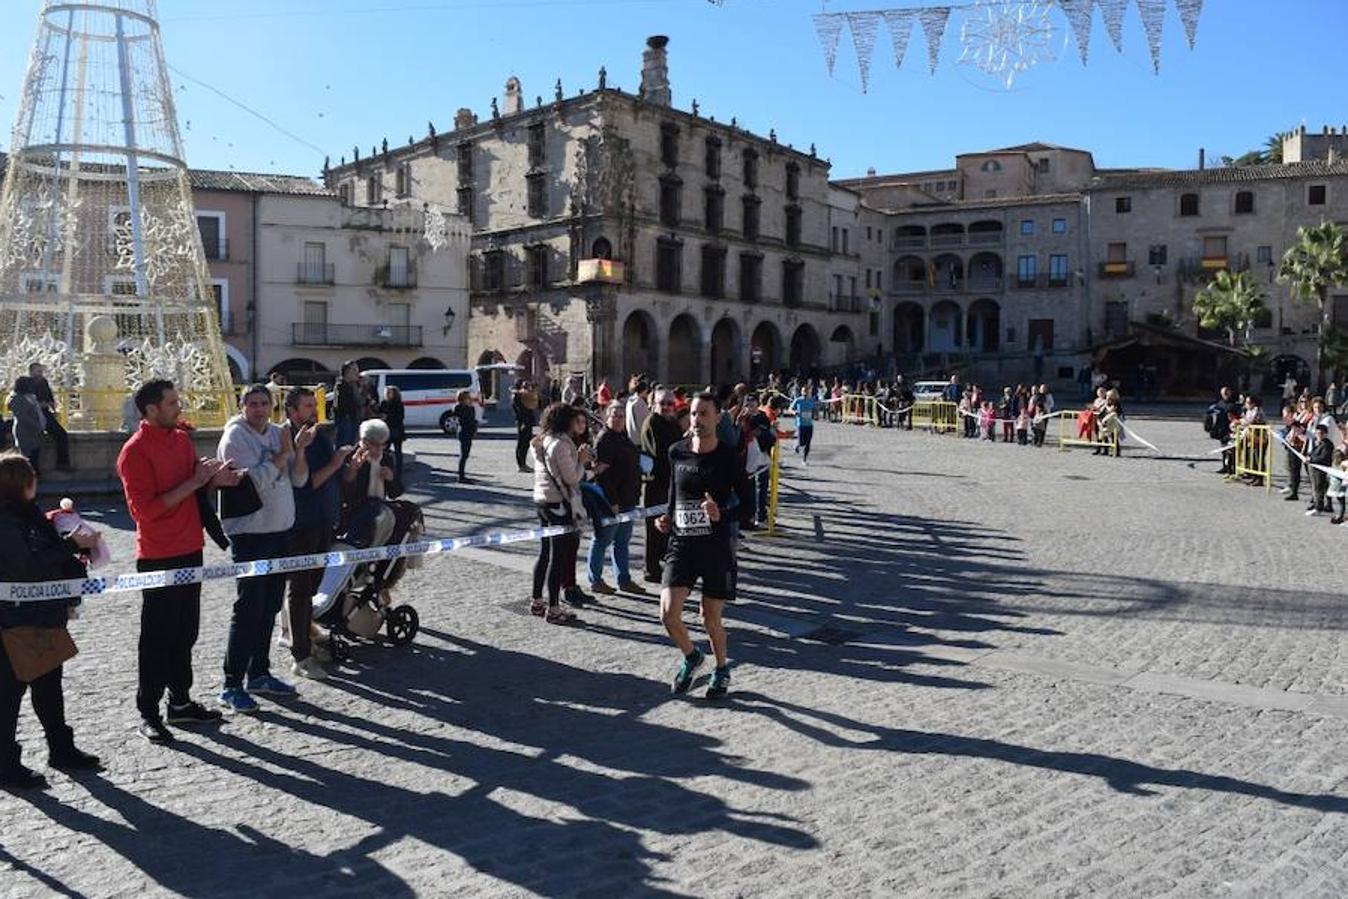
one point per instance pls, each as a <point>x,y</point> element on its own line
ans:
<point>843,344</point>
<point>532,365</point>
<point>366,363</point>
<point>805,349</point>
<point>685,351</point>
<point>985,322</point>
<point>949,272</point>
<point>601,249</point>
<point>1279,367</point>
<point>302,371</point>
<point>639,351</point>
<point>765,352</point>
<point>910,329</point>
<point>726,367</point>
<point>947,328</point>
<point>239,369</point>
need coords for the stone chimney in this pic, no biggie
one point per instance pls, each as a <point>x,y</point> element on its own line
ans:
<point>655,72</point>
<point>514,96</point>
<point>464,118</point>
<point>1202,159</point>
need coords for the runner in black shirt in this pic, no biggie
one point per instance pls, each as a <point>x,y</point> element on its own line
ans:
<point>705,474</point>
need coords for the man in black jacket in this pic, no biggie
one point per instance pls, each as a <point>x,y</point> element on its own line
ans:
<point>47,400</point>
<point>1218,425</point>
<point>524,403</point>
<point>1321,452</point>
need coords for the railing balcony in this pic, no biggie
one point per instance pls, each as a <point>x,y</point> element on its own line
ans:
<point>315,273</point>
<point>948,285</point>
<point>323,334</point>
<point>1215,263</point>
<point>396,278</point>
<point>985,238</point>
<point>216,250</point>
<point>985,283</point>
<point>947,240</point>
<point>907,286</point>
<point>909,243</point>
<point>1117,269</point>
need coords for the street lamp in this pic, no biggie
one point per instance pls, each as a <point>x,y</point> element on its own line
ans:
<point>449,320</point>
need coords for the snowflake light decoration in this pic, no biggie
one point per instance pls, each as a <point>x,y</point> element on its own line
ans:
<point>54,355</point>
<point>1006,37</point>
<point>186,364</point>
<point>437,229</point>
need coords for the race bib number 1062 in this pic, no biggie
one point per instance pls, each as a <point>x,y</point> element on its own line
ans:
<point>690,520</point>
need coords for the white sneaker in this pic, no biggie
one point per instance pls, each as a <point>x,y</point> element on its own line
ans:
<point>1311,513</point>
<point>1284,489</point>
<point>308,668</point>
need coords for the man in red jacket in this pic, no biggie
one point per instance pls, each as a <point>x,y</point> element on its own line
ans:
<point>161,475</point>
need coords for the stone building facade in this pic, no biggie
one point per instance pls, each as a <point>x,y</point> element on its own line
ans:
<point>1157,238</point>
<point>614,233</point>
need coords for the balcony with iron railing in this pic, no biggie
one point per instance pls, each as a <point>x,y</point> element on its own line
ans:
<point>1040,281</point>
<point>947,240</point>
<point>909,242</point>
<point>327,335</point>
<point>396,278</point>
<point>985,283</point>
<point>1117,269</point>
<point>315,274</point>
<point>985,238</point>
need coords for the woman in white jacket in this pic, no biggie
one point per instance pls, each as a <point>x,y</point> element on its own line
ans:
<point>559,467</point>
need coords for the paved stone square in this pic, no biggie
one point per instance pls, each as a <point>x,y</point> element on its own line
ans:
<point>962,670</point>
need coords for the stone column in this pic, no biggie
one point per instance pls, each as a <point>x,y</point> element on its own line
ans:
<point>103,393</point>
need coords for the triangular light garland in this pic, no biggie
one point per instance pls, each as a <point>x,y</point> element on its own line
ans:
<point>1189,11</point>
<point>828,28</point>
<point>1112,11</point>
<point>1153,19</point>
<point>933,20</point>
<point>1080,14</point>
<point>864,27</point>
<point>900,25</point>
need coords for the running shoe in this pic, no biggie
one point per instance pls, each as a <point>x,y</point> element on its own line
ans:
<point>559,615</point>
<point>236,699</point>
<point>270,685</point>
<point>720,682</point>
<point>191,713</point>
<point>155,731</point>
<point>684,678</point>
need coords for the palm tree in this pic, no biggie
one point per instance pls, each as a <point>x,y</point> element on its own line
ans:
<point>1272,151</point>
<point>1314,266</point>
<point>1230,302</point>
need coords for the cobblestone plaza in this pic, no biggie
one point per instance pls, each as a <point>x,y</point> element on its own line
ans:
<point>962,669</point>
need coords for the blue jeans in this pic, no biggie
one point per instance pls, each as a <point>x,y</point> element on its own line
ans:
<point>248,650</point>
<point>618,536</point>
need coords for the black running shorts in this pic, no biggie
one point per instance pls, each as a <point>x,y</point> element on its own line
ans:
<point>689,562</point>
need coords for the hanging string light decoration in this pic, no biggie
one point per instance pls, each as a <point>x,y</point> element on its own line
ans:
<point>1000,37</point>
<point>828,29</point>
<point>864,27</point>
<point>1153,19</point>
<point>1004,39</point>
<point>1080,15</point>
<point>933,20</point>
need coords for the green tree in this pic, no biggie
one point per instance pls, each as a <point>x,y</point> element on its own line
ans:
<point>1230,302</point>
<point>1315,265</point>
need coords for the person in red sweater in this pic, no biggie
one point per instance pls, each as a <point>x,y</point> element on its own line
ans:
<point>161,476</point>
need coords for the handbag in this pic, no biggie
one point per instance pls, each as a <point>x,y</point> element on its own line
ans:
<point>34,651</point>
<point>240,500</point>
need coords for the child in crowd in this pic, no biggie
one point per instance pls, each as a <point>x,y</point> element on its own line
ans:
<point>1337,493</point>
<point>987,421</point>
<point>1023,424</point>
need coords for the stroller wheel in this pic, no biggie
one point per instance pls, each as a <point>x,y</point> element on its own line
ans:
<point>402,625</point>
<point>340,649</point>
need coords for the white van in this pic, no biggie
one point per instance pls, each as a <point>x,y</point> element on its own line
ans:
<point>429,394</point>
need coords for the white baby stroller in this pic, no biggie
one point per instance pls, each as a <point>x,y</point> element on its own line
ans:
<point>355,600</point>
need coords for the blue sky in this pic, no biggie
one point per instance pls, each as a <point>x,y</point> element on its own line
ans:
<point>341,72</point>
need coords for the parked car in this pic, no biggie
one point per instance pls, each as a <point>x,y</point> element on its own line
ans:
<point>428,394</point>
<point>927,391</point>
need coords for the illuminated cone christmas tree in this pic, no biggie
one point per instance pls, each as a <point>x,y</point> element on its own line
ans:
<point>102,273</point>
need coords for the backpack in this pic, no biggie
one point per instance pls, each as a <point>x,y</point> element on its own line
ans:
<point>1210,420</point>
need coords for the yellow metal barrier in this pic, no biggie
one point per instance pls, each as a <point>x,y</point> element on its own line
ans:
<point>1254,453</point>
<point>938,416</point>
<point>859,409</point>
<point>1104,437</point>
<point>774,484</point>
